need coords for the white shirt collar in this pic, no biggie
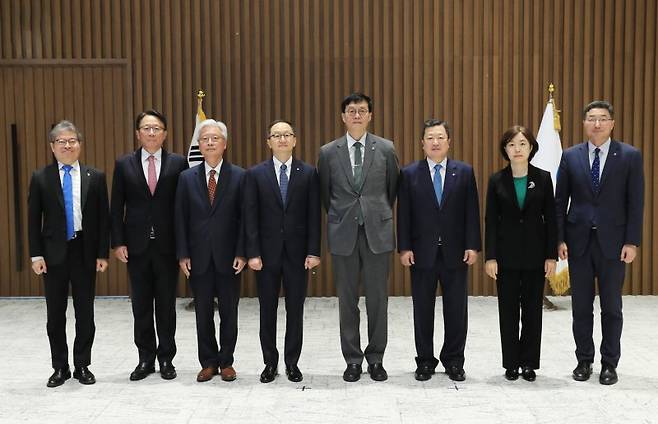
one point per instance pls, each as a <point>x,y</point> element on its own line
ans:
<point>278,163</point>
<point>209,168</point>
<point>75,165</point>
<point>604,147</point>
<point>432,164</point>
<point>146,154</point>
<point>351,141</point>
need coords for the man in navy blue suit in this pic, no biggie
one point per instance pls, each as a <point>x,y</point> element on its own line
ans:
<point>209,247</point>
<point>282,227</point>
<point>438,238</point>
<point>599,199</point>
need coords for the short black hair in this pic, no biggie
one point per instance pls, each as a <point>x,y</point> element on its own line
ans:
<point>279,121</point>
<point>511,133</point>
<point>435,123</point>
<point>356,98</point>
<point>599,104</point>
<point>151,112</point>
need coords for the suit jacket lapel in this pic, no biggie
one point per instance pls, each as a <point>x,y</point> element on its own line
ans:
<point>274,183</point>
<point>451,178</point>
<point>368,153</point>
<point>222,182</point>
<point>508,186</point>
<point>425,182</point>
<point>139,170</point>
<point>55,183</point>
<point>163,170</point>
<point>344,159</point>
<point>295,171</point>
<point>85,177</point>
<point>583,154</point>
<point>610,162</point>
<point>202,185</point>
<point>531,187</point>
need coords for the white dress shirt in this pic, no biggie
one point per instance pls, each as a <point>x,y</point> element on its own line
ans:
<point>442,171</point>
<point>209,168</point>
<point>277,168</point>
<point>145,163</point>
<point>350,145</point>
<point>603,154</point>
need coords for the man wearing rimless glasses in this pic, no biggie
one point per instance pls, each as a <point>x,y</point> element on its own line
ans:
<point>142,214</point>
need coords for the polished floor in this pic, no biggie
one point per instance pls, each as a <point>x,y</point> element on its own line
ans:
<point>323,397</point>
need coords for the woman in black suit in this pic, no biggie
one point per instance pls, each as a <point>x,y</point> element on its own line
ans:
<point>520,248</point>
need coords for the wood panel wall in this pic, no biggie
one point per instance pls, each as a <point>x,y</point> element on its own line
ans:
<point>482,65</point>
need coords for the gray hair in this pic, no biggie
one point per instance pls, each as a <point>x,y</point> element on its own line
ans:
<point>63,126</point>
<point>212,123</point>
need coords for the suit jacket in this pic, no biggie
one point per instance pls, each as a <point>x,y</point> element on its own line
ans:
<point>206,232</point>
<point>423,223</point>
<point>271,226</point>
<point>342,198</point>
<point>616,210</point>
<point>134,209</point>
<point>520,238</point>
<point>47,217</point>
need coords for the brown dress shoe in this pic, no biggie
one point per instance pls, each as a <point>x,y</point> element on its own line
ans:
<point>206,374</point>
<point>228,374</point>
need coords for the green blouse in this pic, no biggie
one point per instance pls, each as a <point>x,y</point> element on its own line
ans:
<point>521,188</point>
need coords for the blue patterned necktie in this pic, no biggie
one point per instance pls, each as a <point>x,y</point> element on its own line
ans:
<point>67,188</point>
<point>283,182</point>
<point>596,165</point>
<point>438,189</point>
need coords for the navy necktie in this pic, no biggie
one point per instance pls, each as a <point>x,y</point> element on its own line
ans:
<point>438,189</point>
<point>67,188</point>
<point>596,165</point>
<point>283,182</point>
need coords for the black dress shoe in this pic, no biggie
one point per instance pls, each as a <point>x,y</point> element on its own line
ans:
<point>294,374</point>
<point>352,373</point>
<point>141,371</point>
<point>84,376</point>
<point>582,371</point>
<point>512,374</point>
<point>377,372</point>
<point>424,372</point>
<point>167,370</point>
<point>59,377</point>
<point>528,374</point>
<point>269,374</point>
<point>608,374</point>
<point>456,373</point>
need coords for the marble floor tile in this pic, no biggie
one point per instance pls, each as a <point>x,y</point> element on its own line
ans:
<point>323,397</point>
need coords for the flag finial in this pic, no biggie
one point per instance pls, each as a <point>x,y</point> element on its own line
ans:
<point>556,111</point>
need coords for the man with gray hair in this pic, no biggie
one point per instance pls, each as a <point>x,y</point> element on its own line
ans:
<point>209,247</point>
<point>68,228</point>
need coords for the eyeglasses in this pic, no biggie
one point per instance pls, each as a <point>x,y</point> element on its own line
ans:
<point>155,130</point>
<point>352,112</point>
<point>207,139</point>
<point>67,142</point>
<point>277,137</point>
<point>594,119</point>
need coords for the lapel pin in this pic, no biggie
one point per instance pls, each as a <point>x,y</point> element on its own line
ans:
<point>454,175</point>
<point>531,185</point>
<point>614,154</point>
<point>88,174</point>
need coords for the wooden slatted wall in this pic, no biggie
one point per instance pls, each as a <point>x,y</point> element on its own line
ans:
<point>483,65</point>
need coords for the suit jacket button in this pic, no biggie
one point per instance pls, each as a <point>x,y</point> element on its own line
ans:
<point>521,220</point>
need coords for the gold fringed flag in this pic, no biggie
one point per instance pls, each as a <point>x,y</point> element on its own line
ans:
<point>193,154</point>
<point>548,158</point>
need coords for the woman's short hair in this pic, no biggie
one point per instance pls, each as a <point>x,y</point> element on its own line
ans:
<point>511,133</point>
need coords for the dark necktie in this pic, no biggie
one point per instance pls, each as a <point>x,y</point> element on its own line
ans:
<point>67,188</point>
<point>212,186</point>
<point>596,165</point>
<point>438,189</point>
<point>358,163</point>
<point>283,182</point>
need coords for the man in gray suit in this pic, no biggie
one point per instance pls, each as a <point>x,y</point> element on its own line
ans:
<point>358,184</point>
